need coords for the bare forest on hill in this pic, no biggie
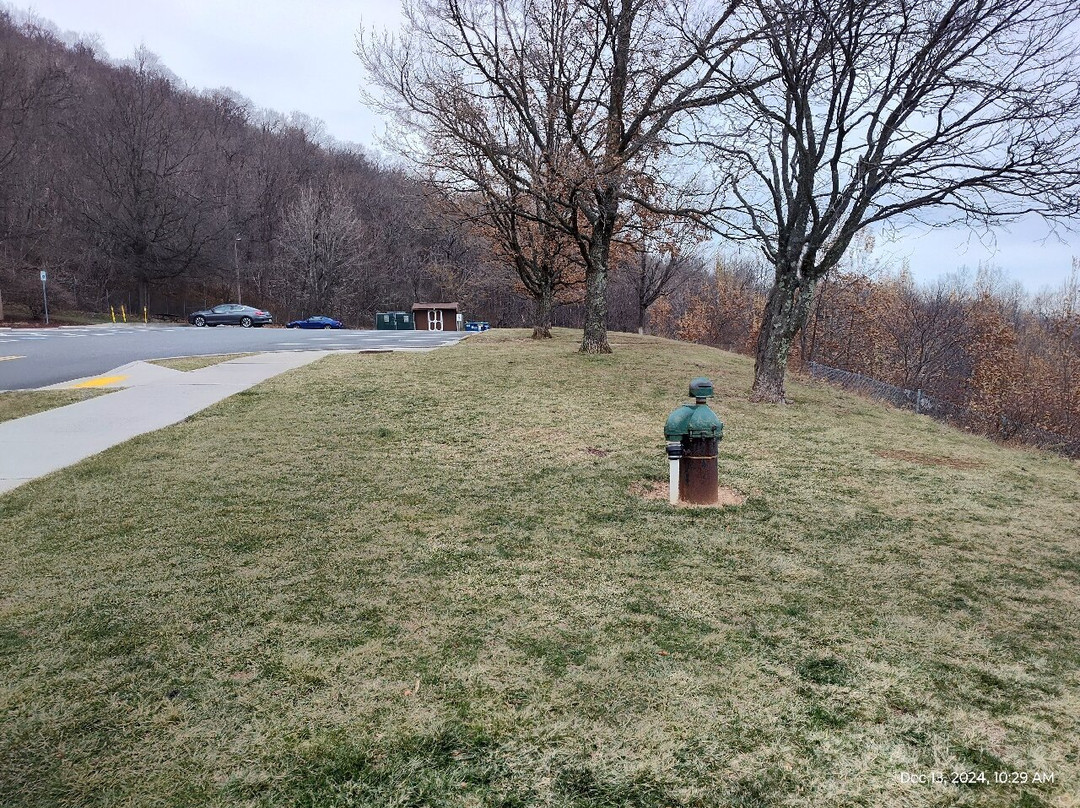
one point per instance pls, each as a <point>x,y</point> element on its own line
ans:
<point>129,188</point>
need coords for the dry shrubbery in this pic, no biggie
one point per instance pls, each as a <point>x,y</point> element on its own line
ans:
<point>982,344</point>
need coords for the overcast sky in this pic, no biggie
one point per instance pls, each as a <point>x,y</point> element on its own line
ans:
<point>297,56</point>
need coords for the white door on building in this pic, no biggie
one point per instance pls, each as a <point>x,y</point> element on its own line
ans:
<point>434,320</point>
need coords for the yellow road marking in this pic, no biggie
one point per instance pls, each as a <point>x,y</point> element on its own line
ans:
<point>100,381</point>
<point>3,358</point>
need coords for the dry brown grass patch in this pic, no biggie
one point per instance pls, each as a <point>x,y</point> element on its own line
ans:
<point>657,491</point>
<point>189,363</point>
<point>928,460</point>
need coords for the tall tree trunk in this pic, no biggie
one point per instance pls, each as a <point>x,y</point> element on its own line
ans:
<point>545,307</point>
<point>641,314</point>
<point>595,338</point>
<point>786,310</point>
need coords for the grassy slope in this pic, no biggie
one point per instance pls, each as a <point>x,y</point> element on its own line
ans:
<point>409,582</point>
<point>16,313</point>
<point>189,363</point>
<point>20,403</point>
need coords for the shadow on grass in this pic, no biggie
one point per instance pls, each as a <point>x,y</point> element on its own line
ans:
<point>461,765</point>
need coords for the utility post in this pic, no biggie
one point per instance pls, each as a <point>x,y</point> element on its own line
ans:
<point>236,258</point>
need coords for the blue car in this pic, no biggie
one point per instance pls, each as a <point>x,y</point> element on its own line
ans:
<point>318,321</point>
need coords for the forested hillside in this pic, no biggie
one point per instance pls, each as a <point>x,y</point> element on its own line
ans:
<point>129,188</point>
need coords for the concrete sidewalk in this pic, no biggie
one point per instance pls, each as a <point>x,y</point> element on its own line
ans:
<point>153,397</point>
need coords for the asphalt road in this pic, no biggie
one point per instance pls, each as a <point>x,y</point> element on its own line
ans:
<point>38,357</point>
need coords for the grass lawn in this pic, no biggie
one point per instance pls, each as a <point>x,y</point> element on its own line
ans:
<point>186,363</point>
<point>424,580</point>
<point>20,403</point>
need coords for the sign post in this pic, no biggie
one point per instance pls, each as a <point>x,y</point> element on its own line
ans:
<point>45,296</point>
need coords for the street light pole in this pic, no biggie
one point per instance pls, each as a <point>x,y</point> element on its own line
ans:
<point>236,258</point>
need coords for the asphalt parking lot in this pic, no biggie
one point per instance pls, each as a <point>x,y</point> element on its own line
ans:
<point>39,357</point>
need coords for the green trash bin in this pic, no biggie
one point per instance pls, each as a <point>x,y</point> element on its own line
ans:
<point>393,321</point>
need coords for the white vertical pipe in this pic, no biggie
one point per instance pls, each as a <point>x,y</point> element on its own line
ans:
<point>673,480</point>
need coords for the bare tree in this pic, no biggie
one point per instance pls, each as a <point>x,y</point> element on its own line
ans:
<point>567,101</point>
<point>35,90</point>
<point>928,329</point>
<point>34,86</point>
<point>657,275</point>
<point>321,243</point>
<point>143,196</point>
<point>662,257</point>
<point>542,256</point>
<point>944,111</point>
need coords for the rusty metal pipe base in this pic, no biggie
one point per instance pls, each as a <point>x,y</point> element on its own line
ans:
<point>698,481</point>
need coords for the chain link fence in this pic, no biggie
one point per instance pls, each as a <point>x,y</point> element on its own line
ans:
<point>923,404</point>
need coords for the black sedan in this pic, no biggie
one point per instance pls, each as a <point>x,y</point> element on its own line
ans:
<point>318,321</point>
<point>230,314</point>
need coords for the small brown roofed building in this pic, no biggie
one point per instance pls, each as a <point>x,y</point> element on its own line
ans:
<point>435,316</point>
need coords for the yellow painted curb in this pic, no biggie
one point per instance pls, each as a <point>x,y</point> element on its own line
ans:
<point>100,381</point>
<point>2,358</point>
